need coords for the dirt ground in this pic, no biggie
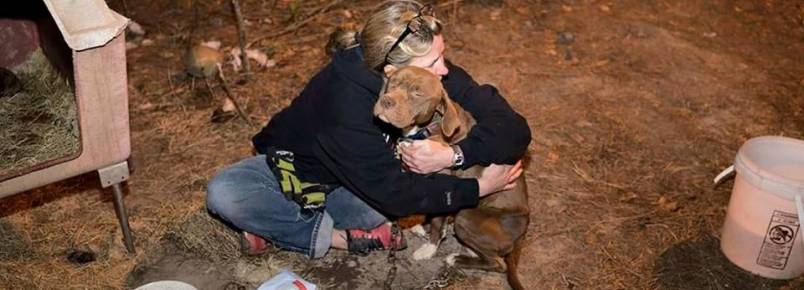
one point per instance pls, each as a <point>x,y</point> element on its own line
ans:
<point>634,107</point>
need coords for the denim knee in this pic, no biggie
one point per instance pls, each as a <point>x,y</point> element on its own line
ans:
<point>217,198</point>
<point>228,188</point>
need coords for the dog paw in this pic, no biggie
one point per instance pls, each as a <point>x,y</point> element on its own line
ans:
<point>451,259</point>
<point>418,230</point>
<point>425,252</point>
<point>470,253</point>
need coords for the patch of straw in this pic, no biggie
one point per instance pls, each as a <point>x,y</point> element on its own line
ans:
<point>39,122</point>
<point>205,237</point>
<point>12,245</point>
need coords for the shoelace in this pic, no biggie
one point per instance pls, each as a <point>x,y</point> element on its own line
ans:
<point>363,245</point>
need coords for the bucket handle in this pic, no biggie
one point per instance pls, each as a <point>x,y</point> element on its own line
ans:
<point>800,209</point>
<point>726,172</point>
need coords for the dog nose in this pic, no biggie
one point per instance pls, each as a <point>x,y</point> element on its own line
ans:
<point>387,103</point>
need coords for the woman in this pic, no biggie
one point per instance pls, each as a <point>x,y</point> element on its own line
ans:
<point>327,177</point>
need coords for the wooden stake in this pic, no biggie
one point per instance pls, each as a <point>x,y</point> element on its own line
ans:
<point>241,35</point>
<point>229,95</point>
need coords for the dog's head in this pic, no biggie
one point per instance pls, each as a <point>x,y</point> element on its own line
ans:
<point>411,97</point>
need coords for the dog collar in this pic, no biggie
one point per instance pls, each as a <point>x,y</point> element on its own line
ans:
<point>422,134</point>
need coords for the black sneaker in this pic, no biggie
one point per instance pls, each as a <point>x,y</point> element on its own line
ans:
<point>384,237</point>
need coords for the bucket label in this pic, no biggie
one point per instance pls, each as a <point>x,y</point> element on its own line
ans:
<point>779,239</point>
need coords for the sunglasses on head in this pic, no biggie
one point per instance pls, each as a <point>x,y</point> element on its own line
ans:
<point>413,26</point>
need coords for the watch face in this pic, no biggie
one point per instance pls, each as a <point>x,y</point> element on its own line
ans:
<point>457,158</point>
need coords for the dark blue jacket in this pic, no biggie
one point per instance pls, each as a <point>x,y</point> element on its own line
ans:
<point>336,139</point>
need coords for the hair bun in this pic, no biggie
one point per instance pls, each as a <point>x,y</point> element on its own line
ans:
<point>344,37</point>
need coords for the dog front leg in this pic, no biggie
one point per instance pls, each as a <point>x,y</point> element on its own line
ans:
<point>437,228</point>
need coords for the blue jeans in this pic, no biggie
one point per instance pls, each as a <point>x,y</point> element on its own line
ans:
<point>248,196</point>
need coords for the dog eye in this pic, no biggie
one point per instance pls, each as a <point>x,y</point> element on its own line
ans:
<point>416,93</point>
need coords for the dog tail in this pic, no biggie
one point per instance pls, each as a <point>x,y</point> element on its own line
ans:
<point>512,264</point>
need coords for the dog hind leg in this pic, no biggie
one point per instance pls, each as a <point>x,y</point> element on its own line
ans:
<point>482,231</point>
<point>512,264</point>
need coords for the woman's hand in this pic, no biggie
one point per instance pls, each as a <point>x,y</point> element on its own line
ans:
<point>498,177</point>
<point>426,156</point>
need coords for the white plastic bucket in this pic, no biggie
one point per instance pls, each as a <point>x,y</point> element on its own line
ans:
<point>762,232</point>
<point>166,285</point>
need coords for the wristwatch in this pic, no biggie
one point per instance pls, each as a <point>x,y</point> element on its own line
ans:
<point>457,156</point>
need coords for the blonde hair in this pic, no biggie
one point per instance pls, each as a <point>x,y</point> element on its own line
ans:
<point>388,24</point>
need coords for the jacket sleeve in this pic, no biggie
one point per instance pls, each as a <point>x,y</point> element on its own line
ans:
<point>355,150</point>
<point>501,135</point>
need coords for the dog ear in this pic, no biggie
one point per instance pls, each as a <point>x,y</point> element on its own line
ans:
<point>449,119</point>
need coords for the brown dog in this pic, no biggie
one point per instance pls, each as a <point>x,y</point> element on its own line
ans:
<point>414,98</point>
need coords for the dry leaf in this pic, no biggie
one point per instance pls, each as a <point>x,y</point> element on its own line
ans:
<point>668,205</point>
<point>577,138</point>
<point>601,63</point>
<point>496,14</point>
<point>253,54</point>
<point>146,106</point>
<point>628,197</point>
<point>135,28</point>
<point>213,44</point>
<point>228,105</point>
<point>552,157</point>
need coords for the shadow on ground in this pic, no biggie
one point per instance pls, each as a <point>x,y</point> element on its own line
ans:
<point>699,264</point>
<point>204,253</point>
